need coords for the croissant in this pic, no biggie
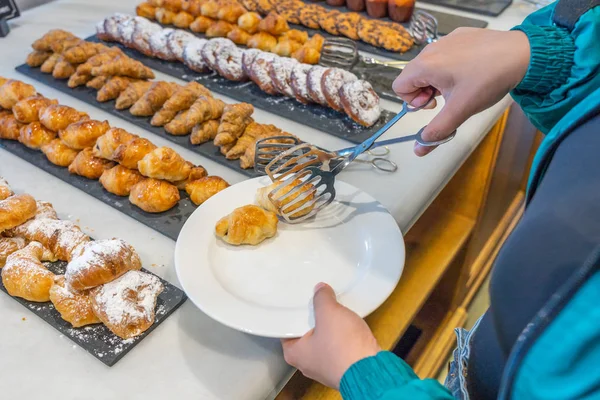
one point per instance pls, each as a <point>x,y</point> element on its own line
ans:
<point>247,160</point>
<point>119,180</point>
<point>201,24</point>
<point>224,149</point>
<point>35,135</point>
<point>55,35</point>
<point>3,80</point>
<point>263,41</point>
<point>29,109</point>
<point>287,205</point>
<point>5,190</point>
<point>126,305</point>
<point>9,246</point>
<point>108,143</point>
<point>82,52</point>
<point>146,10</point>
<point>164,16</point>
<point>129,154</point>
<point>63,45</point>
<point>202,189</point>
<point>234,121</point>
<point>154,195</point>
<point>48,65</point>
<point>164,163</point>
<point>195,174</point>
<point>25,276</point>
<point>273,24</point>
<point>10,128</point>
<point>13,91</point>
<point>16,210</point>
<point>249,22</point>
<point>97,82</point>
<point>59,153</point>
<point>57,117</point>
<point>247,225</point>
<point>210,9</point>
<point>203,109</point>
<point>110,54</point>
<point>131,94</point>
<point>238,36</point>
<point>74,307</point>
<point>219,29</point>
<point>100,262</point>
<point>45,210</point>
<point>154,98</point>
<point>62,69</point>
<point>123,66</point>
<point>204,132</point>
<point>82,134</point>
<point>78,79</point>
<point>37,58</point>
<point>246,140</point>
<point>86,165</point>
<point>112,88</point>
<point>183,20</point>
<point>181,100</point>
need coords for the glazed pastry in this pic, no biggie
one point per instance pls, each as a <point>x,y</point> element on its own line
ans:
<point>309,16</point>
<point>29,109</point>
<point>5,190</point>
<point>164,163</point>
<point>192,55</point>
<point>210,49</point>
<point>82,52</point>
<point>9,246</point>
<point>193,7</point>
<point>286,47</point>
<point>57,117</point>
<point>315,89</point>
<point>201,24</point>
<point>263,41</point>
<point>62,69</point>
<point>290,9</point>
<point>100,262</point>
<point>119,180</point>
<point>247,225</point>
<point>347,24</point>
<point>45,210</point>
<point>145,10</point>
<point>248,22</point>
<point>52,36</point>
<point>112,88</point>
<point>229,64</point>
<point>10,128</point>
<point>16,210</point>
<point>231,12</point>
<point>204,132</point>
<point>74,307</point>
<point>108,143</point>
<point>296,36</point>
<point>248,57</point>
<point>259,73</point>
<point>203,109</point>
<point>203,189</point>
<point>35,135</point>
<point>266,6</point>
<point>97,82</point>
<point>280,72</point>
<point>234,121</point>
<point>37,58</point>
<point>111,54</point>
<point>183,20</point>
<point>181,100</point>
<point>360,102</point>
<point>129,154</point>
<point>85,164</point>
<point>273,24</point>
<point>196,173</point>
<point>25,276</point>
<point>332,81</point>
<point>307,55</point>
<point>158,44</point>
<point>126,305</point>
<point>82,134</point>
<point>59,153</point>
<point>210,9</point>
<point>154,195</point>
<point>164,16</point>
<point>176,42</point>
<point>13,91</point>
<point>304,206</point>
<point>154,98</point>
<point>123,66</point>
<point>219,29</point>
<point>299,84</point>
<point>131,94</point>
<point>328,22</point>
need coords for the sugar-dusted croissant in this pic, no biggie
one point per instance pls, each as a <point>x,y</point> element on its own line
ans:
<point>219,29</point>
<point>13,91</point>
<point>203,189</point>
<point>55,35</point>
<point>154,195</point>
<point>100,262</point>
<point>82,134</point>
<point>35,135</point>
<point>119,180</point>
<point>37,58</point>
<point>82,52</point>
<point>5,190</point>
<point>48,66</point>
<point>274,24</point>
<point>74,307</point>
<point>129,154</point>
<point>9,246</point>
<point>146,10</point>
<point>87,165</point>
<point>113,88</point>
<point>108,143</point>
<point>131,94</point>
<point>234,121</point>
<point>196,173</point>
<point>154,98</point>
<point>10,128</point>
<point>57,117</point>
<point>29,109</point>
<point>183,20</point>
<point>164,163</point>
<point>205,132</point>
<point>247,225</point>
<point>59,153</point>
<point>126,305</point>
<point>201,24</point>
<point>181,100</point>
<point>16,210</point>
<point>203,109</point>
<point>263,41</point>
<point>97,82</point>
<point>63,69</point>
<point>123,66</point>
<point>25,276</point>
<point>248,22</point>
<point>45,210</point>
<point>99,59</point>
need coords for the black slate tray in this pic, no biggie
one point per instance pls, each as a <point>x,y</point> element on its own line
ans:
<point>88,95</point>
<point>315,116</point>
<point>98,340</point>
<point>485,7</point>
<point>169,223</point>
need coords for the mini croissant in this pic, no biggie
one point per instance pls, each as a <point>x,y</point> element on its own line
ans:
<point>123,66</point>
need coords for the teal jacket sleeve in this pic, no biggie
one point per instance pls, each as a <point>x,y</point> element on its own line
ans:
<point>387,377</point>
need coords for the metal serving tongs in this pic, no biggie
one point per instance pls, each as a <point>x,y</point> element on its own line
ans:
<point>306,175</point>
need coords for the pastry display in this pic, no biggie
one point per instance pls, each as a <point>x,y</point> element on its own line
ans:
<point>25,276</point>
<point>202,189</point>
<point>154,195</point>
<point>16,210</point>
<point>247,225</point>
<point>74,306</point>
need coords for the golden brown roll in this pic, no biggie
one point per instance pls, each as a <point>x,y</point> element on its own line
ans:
<point>59,153</point>
<point>82,134</point>
<point>25,276</point>
<point>16,210</point>
<point>13,91</point>
<point>85,164</point>
<point>203,189</point>
<point>28,110</point>
<point>35,135</point>
<point>154,195</point>
<point>57,117</point>
<point>119,180</point>
<point>74,307</point>
<point>164,163</point>
<point>247,225</point>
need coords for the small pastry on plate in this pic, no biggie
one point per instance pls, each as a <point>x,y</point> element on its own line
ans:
<point>25,276</point>
<point>74,307</point>
<point>203,189</point>
<point>154,195</point>
<point>85,164</point>
<point>303,206</point>
<point>247,225</point>
<point>82,134</point>
<point>58,153</point>
<point>35,135</point>
<point>119,180</point>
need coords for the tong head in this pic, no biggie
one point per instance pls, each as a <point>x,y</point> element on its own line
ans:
<point>266,149</point>
<point>423,27</point>
<point>339,52</point>
<point>302,195</point>
<point>293,160</point>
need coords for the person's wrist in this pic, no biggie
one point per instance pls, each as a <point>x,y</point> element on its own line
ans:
<point>522,52</point>
<point>354,357</point>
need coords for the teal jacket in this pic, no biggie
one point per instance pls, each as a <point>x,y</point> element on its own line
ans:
<point>561,87</point>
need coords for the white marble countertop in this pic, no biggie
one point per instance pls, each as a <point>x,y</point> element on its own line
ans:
<point>189,356</point>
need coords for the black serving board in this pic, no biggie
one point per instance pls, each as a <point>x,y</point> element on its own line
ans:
<point>312,115</point>
<point>88,95</point>
<point>169,223</point>
<point>485,7</point>
<point>98,340</point>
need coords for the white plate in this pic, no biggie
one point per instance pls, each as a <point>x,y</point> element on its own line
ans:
<point>354,245</point>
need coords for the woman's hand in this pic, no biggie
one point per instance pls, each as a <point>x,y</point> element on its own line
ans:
<point>340,338</point>
<point>471,68</point>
